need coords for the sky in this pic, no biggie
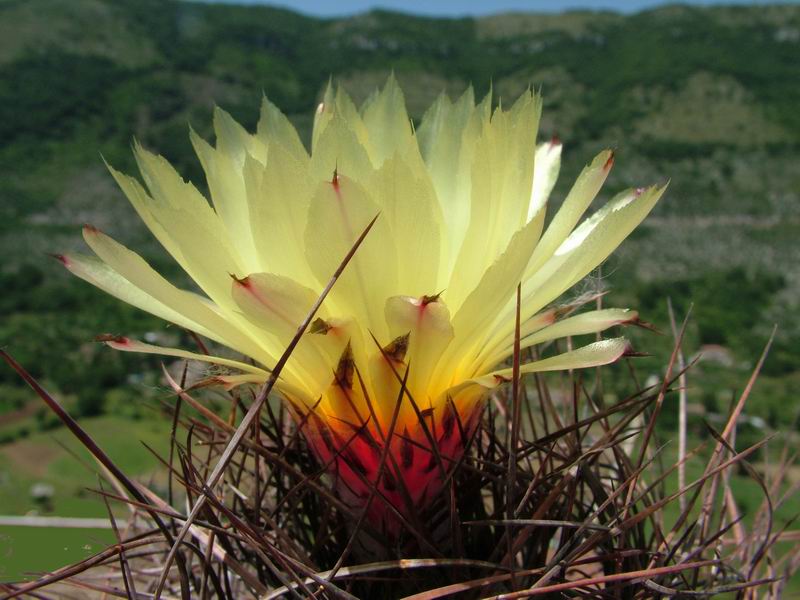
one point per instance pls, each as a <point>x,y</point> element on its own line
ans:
<point>455,8</point>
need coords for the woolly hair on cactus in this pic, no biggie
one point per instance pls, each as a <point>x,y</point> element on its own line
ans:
<point>420,326</point>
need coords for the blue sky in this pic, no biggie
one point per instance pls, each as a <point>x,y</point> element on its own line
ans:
<point>476,7</point>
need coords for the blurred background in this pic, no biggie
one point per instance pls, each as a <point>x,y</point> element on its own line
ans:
<point>707,96</point>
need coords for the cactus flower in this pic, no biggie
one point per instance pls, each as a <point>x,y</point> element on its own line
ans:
<point>422,321</point>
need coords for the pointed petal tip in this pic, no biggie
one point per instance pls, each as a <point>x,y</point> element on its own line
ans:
<point>631,353</point>
<point>397,348</point>
<point>319,326</point>
<point>631,317</point>
<point>335,178</point>
<point>609,161</point>
<point>637,322</point>
<point>113,341</point>
<point>240,281</point>
<point>425,300</point>
<point>345,370</point>
<point>500,379</point>
<point>62,258</point>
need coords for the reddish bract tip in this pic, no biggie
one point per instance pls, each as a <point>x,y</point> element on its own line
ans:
<point>645,325</point>
<point>61,258</point>
<point>629,352</point>
<point>88,228</point>
<point>396,350</point>
<point>335,178</point>
<point>609,162</point>
<point>552,316</point>
<point>499,379</point>
<point>243,281</point>
<point>319,325</point>
<point>110,337</point>
<point>345,369</point>
<point>561,311</point>
<point>425,300</point>
<point>555,140</point>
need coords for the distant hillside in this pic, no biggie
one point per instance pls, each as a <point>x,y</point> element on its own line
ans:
<point>707,97</point>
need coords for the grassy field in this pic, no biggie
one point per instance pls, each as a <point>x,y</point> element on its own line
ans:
<point>57,459</point>
<point>28,551</point>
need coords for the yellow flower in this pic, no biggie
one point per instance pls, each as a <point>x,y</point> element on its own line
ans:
<point>461,203</point>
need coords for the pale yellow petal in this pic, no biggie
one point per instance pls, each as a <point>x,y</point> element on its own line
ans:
<point>408,205</point>
<point>589,245</point>
<point>107,279</point>
<point>144,205</point>
<point>128,345</point>
<point>502,175</point>
<point>583,324</point>
<point>387,122</point>
<point>192,307</point>
<point>446,139</point>
<point>346,109</point>
<point>426,320</point>
<point>322,116</point>
<point>546,166</point>
<point>592,355</point>
<point>500,339</point>
<point>276,303</point>
<point>583,191</point>
<point>198,233</point>
<point>279,195</point>
<point>339,213</point>
<point>475,316</point>
<point>275,129</point>
<point>327,339</point>
<point>338,150</point>
<point>224,178</point>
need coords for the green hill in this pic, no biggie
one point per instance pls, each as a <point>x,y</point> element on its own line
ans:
<point>707,97</point>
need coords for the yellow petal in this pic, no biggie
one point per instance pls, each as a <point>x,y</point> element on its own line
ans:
<point>328,339</point>
<point>322,116</point>
<point>589,245</point>
<point>500,340</point>
<point>276,303</point>
<point>128,345</point>
<point>224,177</point>
<point>338,149</point>
<point>107,279</point>
<point>234,141</point>
<point>135,270</point>
<point>583,191</point>
<point>275,129</point>
<point>446,138</point>
<point>592,355</point>
<point>502,174</point>
<point>545,173</point>
<point>196,230</point>
<point>409,207</point>
<point>585,323</point>
<point>387,122</point>
<point>279,195</point>
<point>339,213</point>
<point>426,321</point>
<point>475,316</point>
